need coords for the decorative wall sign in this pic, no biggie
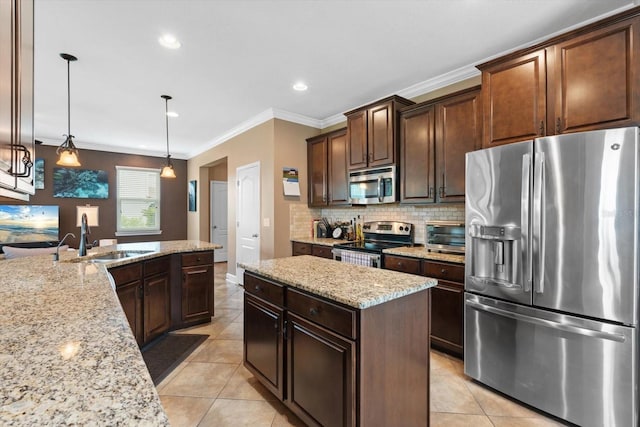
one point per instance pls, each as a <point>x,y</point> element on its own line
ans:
<point>38,174</point>
<point>80,183</point>
<point>193,186</point>
<point>290,182</point>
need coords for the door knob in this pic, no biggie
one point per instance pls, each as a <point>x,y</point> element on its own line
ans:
<point>254,235</point>
<point>215,226</point>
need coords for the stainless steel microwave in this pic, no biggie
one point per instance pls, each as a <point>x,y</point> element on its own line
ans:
<point>373,186</point>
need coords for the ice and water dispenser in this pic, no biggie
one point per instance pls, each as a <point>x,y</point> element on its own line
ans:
<point>494,256</point>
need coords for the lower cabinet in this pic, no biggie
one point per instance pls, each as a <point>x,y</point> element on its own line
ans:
<point>322,251</point>
<point>197,286</point>
<point>447,299</point>
<point>320,374</point>
<point>157,297</point>
<point>168,292</point>
<point>144,292</point>
<point>334,365</point>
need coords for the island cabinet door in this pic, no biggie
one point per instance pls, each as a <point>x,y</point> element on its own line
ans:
<point>264,342</point>
<point>157,309</point>
<point>321,372</point>
<point>130,296</point>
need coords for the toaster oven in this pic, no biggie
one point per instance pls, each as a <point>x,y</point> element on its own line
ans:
<point>445,236</point>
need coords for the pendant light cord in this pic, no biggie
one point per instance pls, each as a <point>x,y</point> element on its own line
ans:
<point>166,117</point>
<point>68,99</point>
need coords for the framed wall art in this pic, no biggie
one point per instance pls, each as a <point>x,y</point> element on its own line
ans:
<point>80,183</point>
<point>193,186</point>
<point>38,174</point>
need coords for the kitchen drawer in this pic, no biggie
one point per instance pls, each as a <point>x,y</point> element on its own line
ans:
<point>322,251</point>
<point>268,291</point>
<point>126,273</point>
<point>197,258</point>
<point>339,319</point>
<point>402,264</point>
<point>156,266</point>
<point>301,248</point>
<point>441,270</point>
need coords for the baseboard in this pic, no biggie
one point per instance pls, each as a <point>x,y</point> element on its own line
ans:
<point>231,278</point>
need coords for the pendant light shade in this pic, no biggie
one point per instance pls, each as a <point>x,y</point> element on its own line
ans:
<point>167,170</point>
<point>67,152</point>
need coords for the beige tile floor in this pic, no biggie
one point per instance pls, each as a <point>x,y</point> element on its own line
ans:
<point>212,388</point>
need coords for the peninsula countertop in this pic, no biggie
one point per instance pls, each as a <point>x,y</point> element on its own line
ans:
<point>67,354</point>
<point>353,285</point>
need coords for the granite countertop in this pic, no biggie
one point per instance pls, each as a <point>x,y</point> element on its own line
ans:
<point>318,240</point>
<point>353,285</point>
<point>422,252</point>
<point>67,354</point>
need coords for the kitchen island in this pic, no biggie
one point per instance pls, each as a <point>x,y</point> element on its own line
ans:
<point>351,343</point>
<point>67,353</point>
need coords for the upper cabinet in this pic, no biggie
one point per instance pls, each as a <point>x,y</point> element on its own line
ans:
<point>434,138</point>
<point>583,80</point>
<point>16,99</point>
<point>327,169</point>
<point>372,133</point>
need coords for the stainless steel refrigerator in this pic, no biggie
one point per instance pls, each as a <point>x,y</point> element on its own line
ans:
<point>551,274</point>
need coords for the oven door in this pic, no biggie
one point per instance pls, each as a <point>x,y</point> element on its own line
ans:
<point>372,186</point>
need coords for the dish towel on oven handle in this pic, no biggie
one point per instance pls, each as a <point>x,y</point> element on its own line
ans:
<point>358,258</point>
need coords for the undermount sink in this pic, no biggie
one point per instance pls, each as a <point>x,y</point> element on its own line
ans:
<point>115,255</point>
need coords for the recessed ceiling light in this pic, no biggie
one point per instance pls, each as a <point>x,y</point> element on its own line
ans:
<point>172,114</point>
<point>169,41</point>
<point>300,87</point>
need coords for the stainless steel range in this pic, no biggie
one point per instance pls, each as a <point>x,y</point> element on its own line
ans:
<point>378,235</point>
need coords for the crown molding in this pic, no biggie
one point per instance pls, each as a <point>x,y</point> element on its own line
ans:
<point>112,149</point>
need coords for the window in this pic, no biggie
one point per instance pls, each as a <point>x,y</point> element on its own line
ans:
<point>138,192</point>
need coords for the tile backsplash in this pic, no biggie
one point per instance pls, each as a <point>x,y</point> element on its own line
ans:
<point>301,216</point>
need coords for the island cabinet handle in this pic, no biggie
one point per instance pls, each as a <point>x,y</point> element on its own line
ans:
<point>198,259</point>
<point>444,270</point>
<point>258,288</point>
<point>313,311</point>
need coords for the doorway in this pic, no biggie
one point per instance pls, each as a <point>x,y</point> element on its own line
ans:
<point>247,217</point>
<point>218,219</point>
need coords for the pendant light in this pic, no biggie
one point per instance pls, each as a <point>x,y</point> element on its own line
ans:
<point>67,152</point>
<point>167,171</point>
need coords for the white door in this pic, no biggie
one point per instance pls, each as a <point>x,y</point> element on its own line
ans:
<point>247,216</point>
<point>219,232</point>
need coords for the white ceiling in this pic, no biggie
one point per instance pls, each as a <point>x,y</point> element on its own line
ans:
<point>239,60</point>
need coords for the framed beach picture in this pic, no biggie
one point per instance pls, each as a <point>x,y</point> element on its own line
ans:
<point>80,183</point>
<point>193,186</point>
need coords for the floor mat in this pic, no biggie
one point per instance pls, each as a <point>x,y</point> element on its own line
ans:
<point>165,354</point>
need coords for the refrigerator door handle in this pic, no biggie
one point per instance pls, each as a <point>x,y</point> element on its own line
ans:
<point>538,219</point>
<point>524,222</point>
<point>547,323</point>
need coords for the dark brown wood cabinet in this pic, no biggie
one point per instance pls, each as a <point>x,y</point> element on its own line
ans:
<point>372,133</point>
<point>583,80</point>
<point>594,79</point>
<point>197,286</point>
<point>17,149</point>
<point>434,138</point>
<point>327,169</point>
<point>458,132</point>
<point>447,299</point>
<point>157,297</point>
<point>417,155</point>
<point>143,289</point>
<point>326,380</point>
<point>264,343</point>
<point>301,248</point>
<point>447,306</point>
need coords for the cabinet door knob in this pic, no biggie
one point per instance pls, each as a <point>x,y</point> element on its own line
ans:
<point>313,311</point>
<point>258,288</point>
<point>443,271</point>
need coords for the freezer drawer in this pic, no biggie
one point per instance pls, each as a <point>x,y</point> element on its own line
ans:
<point>580,370</point>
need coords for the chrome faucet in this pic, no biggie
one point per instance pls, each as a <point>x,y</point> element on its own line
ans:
<point>56,256</point>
